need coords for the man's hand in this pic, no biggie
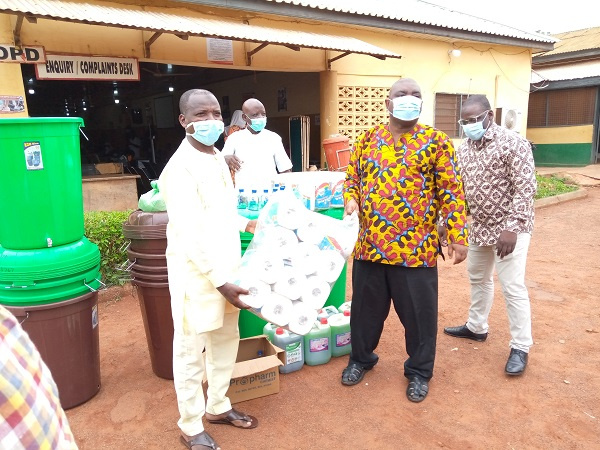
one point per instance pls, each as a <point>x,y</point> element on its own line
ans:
<point>232,293</point>
<point>458,252</point>
<point>506,243</point>
<point>251,227</point>
<point>233,162</point>
<point>443,234</point>
<point>351,206</point>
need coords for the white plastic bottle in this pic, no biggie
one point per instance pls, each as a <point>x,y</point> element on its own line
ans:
<point>340,334</point>
<point>292,345</point>
<point>317,344</point>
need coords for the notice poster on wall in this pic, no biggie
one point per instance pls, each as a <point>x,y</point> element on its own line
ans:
<point>219,51</point>
<point>79,67</point>
<point>11,104</point>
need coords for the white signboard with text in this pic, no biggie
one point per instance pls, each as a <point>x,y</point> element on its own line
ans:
<point>219,51</point>
<point>77,67</point>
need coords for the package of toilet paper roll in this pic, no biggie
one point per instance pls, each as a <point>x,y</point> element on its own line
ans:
<point>293,261</point>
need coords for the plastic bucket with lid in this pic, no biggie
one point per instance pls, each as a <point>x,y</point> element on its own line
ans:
<point>147,231</point>
<point>337,152</point>
<point>66,335</point>
<point>40,169</point>
<point>48,275</point>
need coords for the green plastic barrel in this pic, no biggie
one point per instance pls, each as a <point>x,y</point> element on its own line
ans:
<point>41,203</point>
<point>249,324</point>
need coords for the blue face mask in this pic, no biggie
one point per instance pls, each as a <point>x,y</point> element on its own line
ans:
<point>207,131</point>
<point>258,124</point>
<point>474,131</point>
<point>406,108</point>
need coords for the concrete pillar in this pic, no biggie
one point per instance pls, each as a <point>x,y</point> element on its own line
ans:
<point>329,107</point>
<point>10,73</point>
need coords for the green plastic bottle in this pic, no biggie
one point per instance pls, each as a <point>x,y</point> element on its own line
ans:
<point>291,343</point>
<point>269,331</point>
<point>317,343</point>
<point>340,334</point>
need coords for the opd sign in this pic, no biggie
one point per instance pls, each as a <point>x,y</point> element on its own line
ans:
<point>23,55</point>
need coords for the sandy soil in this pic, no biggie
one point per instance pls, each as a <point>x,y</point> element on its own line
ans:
<point>471,404</point>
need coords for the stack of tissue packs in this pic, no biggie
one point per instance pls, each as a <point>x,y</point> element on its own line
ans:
<point>318,190</point>
<point>293,260</point>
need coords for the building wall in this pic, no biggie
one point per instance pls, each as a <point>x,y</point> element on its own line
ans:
<point>501,73</point>
<point>563,146</point>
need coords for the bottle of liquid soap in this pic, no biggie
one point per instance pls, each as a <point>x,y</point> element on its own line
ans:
<point>317,344</point>
<point>269,331</point>
<point>292,344</point>
<point>340,334</point>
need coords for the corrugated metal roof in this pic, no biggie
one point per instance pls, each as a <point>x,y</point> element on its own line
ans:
<point>421,12</point>
<point>111,14</point>
<point>574,71</point>
<point>573,41</point>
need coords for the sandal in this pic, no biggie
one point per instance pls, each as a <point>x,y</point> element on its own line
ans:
<point>417,389</point>
<point>353,374</point>
<point>200,440</point>
<point>236,419</point>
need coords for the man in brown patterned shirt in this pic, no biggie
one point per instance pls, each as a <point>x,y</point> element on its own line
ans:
<point>498,174</point>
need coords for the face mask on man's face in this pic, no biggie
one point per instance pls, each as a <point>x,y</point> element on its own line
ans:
<point>258,124</point>
<point>207,132</point>
<point>406,108</point>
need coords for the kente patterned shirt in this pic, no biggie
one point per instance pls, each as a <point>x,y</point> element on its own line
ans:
<point>30,411</point>
<point>499,177</point>
<point>401,189</point>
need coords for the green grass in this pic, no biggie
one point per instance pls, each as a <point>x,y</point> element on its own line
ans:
<point>549,186</point>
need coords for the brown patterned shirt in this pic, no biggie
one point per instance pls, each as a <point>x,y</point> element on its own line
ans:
<point>498,175</point>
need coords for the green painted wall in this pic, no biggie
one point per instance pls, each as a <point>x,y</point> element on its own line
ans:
<point>572,155</point>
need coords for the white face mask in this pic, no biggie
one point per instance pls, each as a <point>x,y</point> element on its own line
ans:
<point>406,108</point>
<point>207,131</point>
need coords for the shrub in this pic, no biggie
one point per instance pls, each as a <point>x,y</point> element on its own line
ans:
<point>105,229</point>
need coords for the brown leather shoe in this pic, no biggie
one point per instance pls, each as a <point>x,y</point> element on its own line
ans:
<point>463,332</point>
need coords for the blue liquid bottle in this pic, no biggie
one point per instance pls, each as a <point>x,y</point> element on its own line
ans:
<point>242,200</point>
<point>253,202</point>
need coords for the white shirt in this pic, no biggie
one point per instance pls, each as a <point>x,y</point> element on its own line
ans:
<point>261,154</point>
<point>204,249</point>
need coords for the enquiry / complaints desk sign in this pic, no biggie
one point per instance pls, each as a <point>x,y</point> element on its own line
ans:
<point>79,67</point>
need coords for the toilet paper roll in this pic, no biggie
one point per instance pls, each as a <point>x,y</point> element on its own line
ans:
<point>259,292</point>
<point>282,241</point>
<point>330,265</point>
<point>266,267</point>
<point>277,309</point>
<point>303,318</point>
<point>290,216</point>
<point>305,258</point>
<point>290,284</point>
<point>311,232</point>
<point>315,293</point>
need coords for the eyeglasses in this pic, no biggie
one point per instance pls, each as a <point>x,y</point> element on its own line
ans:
<point>473,119</point>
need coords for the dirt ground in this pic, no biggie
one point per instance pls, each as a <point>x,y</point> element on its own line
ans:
<point>472,404</point>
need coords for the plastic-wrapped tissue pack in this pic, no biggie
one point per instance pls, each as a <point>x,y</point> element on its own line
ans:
<point>293,260</point>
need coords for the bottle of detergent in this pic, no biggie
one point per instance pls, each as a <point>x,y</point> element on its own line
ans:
<point>340,334</point>
<point>326,312</point>
<point>269,331</point>
<point>292,344</point>
<point>317,343</point>
<point>346,306</point>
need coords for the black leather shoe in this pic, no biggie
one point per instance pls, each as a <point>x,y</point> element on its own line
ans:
<point>517,361</point>
<point>464,332</point>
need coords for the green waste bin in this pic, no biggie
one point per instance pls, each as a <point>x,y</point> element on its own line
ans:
<point>41,203</point>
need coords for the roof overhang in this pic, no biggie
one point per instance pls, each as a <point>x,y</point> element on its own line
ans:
<point>585,73</point>
<point>553,57</point>
<point>184,26</point>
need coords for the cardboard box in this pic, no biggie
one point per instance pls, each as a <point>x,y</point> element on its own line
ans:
<point>253,375</point>
<point>107,168</point>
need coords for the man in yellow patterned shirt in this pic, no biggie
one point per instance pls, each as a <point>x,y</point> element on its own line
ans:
<point>400,179</point>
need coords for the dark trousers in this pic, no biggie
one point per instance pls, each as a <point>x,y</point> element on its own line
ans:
<point>414,291</point>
